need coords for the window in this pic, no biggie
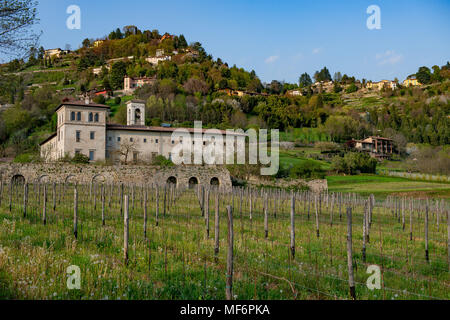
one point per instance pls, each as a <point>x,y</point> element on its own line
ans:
<point>131,139</point>
<point>72,116</point>
<point>77,151</point>
<point>78,136</point>
<point>91,155</point>
<point>173,141</point>
<point>156,141</point>
<point>96,117</point>
<point>79,116</point>
<point>118,139</point>
<point>92,135</point>
<point>145,140</point>
<point>109,139</point>
<point>91,117</point>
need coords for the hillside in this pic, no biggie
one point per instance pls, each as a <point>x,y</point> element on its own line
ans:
<point>189,84</point>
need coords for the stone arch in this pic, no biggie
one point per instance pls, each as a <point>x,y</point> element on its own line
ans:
<point>193,182</point>
<point>98,178</point>
<point>43,179</point>
<point>18,179</point>
<point>172,181</point>
<point>68,178</point>
<point>215,182</point>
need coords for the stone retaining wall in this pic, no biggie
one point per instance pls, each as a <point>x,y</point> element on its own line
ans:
<point>85,174</point>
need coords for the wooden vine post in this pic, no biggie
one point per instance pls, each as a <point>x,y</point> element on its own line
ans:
<point>266,218</point>
<point>125,231</point>
<point>293,226</point>
<point>229,282</point>
<point>44,213</point>
<point>351,279</point>
<point>25,199</point>
<point>427,257</point>
<point>216,227</point>
<point>75,212</point>
<point>145,213</point>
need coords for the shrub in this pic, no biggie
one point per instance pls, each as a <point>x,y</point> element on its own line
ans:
<point>354,163</point>
<point>351,88</point>
<point>307,170</point>
<point>100,99</point>
<point>26,158</point>
<point>80,158</point>
<point>162,162</point>
<point>117,100</point>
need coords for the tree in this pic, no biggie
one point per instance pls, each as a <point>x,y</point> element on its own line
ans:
<point>17,17</point>
<point>337,77</point>
<point>126,148</point>
<point>118,72</point>
<point>305,80</point>
<point>276,87</point>
<point>182,43</point>
<point>194,85</point>
<point>424,75</point>
<point>322,75</point>
<point>86,43</point>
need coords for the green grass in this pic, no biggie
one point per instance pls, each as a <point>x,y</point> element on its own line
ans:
<point>177,260</point>
<point>383,186</point>
<point>304,135</point>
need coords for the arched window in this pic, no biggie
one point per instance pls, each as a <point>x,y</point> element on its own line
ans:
<point>72,116</point>
<point>91,117</point>
<point>215,181</point>
<point>137,115</point>
<point>96,117</point>
<point>172,181</point>
<point>193,182</point>
<point>79,116</point>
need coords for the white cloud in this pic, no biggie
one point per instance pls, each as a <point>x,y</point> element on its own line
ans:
<point>272,59</point>
<point>388,57</point>
<point>316,50</point>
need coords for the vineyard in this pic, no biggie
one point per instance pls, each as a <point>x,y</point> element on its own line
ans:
<point>162,242</point>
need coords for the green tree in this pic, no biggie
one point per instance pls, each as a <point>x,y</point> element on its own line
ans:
<point>424,75</point>
<point>322,75</point>
<point>118,72</point>
<point>305,80</point>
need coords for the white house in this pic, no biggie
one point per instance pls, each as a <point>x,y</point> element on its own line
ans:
<point>83,128</point>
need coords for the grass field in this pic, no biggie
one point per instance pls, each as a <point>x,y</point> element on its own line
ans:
<point>382,186</point>
<point>177,260</point>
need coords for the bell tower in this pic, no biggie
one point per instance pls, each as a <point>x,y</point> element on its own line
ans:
<point>136,113</point>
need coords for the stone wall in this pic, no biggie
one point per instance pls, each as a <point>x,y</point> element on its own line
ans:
<point>318,186</point>
<point>85,174</point>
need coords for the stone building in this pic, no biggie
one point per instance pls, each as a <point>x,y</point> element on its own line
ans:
<point>131,84</point>
<point>377,147</point>
<point>83,128</point>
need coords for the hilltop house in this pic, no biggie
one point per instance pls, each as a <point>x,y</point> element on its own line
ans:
<point>82,127</point>
<point>411,82</point>
<point>157,59</point>
<point>131,84</point>
<point>382,84</point>
<point>294,93</point>
<point>58,53</point>
<point>377,147</point>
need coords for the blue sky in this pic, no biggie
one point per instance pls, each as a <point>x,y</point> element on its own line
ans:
<point>278,39</point>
